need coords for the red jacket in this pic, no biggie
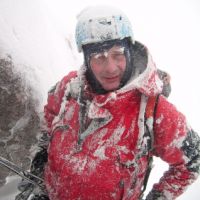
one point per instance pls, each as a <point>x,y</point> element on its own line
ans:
<point>95,141</point>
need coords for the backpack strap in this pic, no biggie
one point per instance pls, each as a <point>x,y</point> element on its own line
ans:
<point>149,123</point>
<point>150,116</point>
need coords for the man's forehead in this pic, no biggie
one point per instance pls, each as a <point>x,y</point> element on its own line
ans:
<point>105,53</point>
<point>106,46</point>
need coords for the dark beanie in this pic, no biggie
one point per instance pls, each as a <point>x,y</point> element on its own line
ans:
<point>100,47</point>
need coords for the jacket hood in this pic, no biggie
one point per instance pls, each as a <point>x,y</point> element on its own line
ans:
<point>144,77</point>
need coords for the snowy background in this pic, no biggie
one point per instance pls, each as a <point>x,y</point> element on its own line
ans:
<point>39,35</point>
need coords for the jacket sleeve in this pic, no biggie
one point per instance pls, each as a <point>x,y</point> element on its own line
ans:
<point>55,96</point>
<point>178,145</point>
<point>51,110</point>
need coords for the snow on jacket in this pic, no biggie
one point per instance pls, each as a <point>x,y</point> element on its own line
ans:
<point>95,139</point>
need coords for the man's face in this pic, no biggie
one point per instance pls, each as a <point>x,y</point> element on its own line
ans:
<point>108,67</point>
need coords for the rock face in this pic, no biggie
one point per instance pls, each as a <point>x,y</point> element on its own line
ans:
<point>19,120</point>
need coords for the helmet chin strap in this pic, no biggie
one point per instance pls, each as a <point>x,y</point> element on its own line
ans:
<point>95,48</point>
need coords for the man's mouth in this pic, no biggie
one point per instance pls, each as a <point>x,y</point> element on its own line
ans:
<point>112,79</point>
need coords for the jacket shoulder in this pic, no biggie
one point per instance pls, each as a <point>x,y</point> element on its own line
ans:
<point>55,96</point>
<point>60,86</point>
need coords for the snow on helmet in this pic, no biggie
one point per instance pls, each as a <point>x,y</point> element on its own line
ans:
<point>100,24</point>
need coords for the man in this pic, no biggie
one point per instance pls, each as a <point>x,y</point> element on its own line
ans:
<point>106,121</point>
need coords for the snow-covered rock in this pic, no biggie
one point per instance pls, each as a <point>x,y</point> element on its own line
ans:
<point>33,57</point>
<point>19,117</point>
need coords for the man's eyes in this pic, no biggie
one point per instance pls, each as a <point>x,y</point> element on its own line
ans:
<point>99,55</point>
<point>105,54</point>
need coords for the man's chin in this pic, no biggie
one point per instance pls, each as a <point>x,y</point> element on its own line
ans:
<point>110,88</point>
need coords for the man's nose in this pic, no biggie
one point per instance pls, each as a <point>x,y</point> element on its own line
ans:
<point>111,65</point>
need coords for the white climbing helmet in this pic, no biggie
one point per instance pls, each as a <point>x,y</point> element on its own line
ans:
<point>101,23</point>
